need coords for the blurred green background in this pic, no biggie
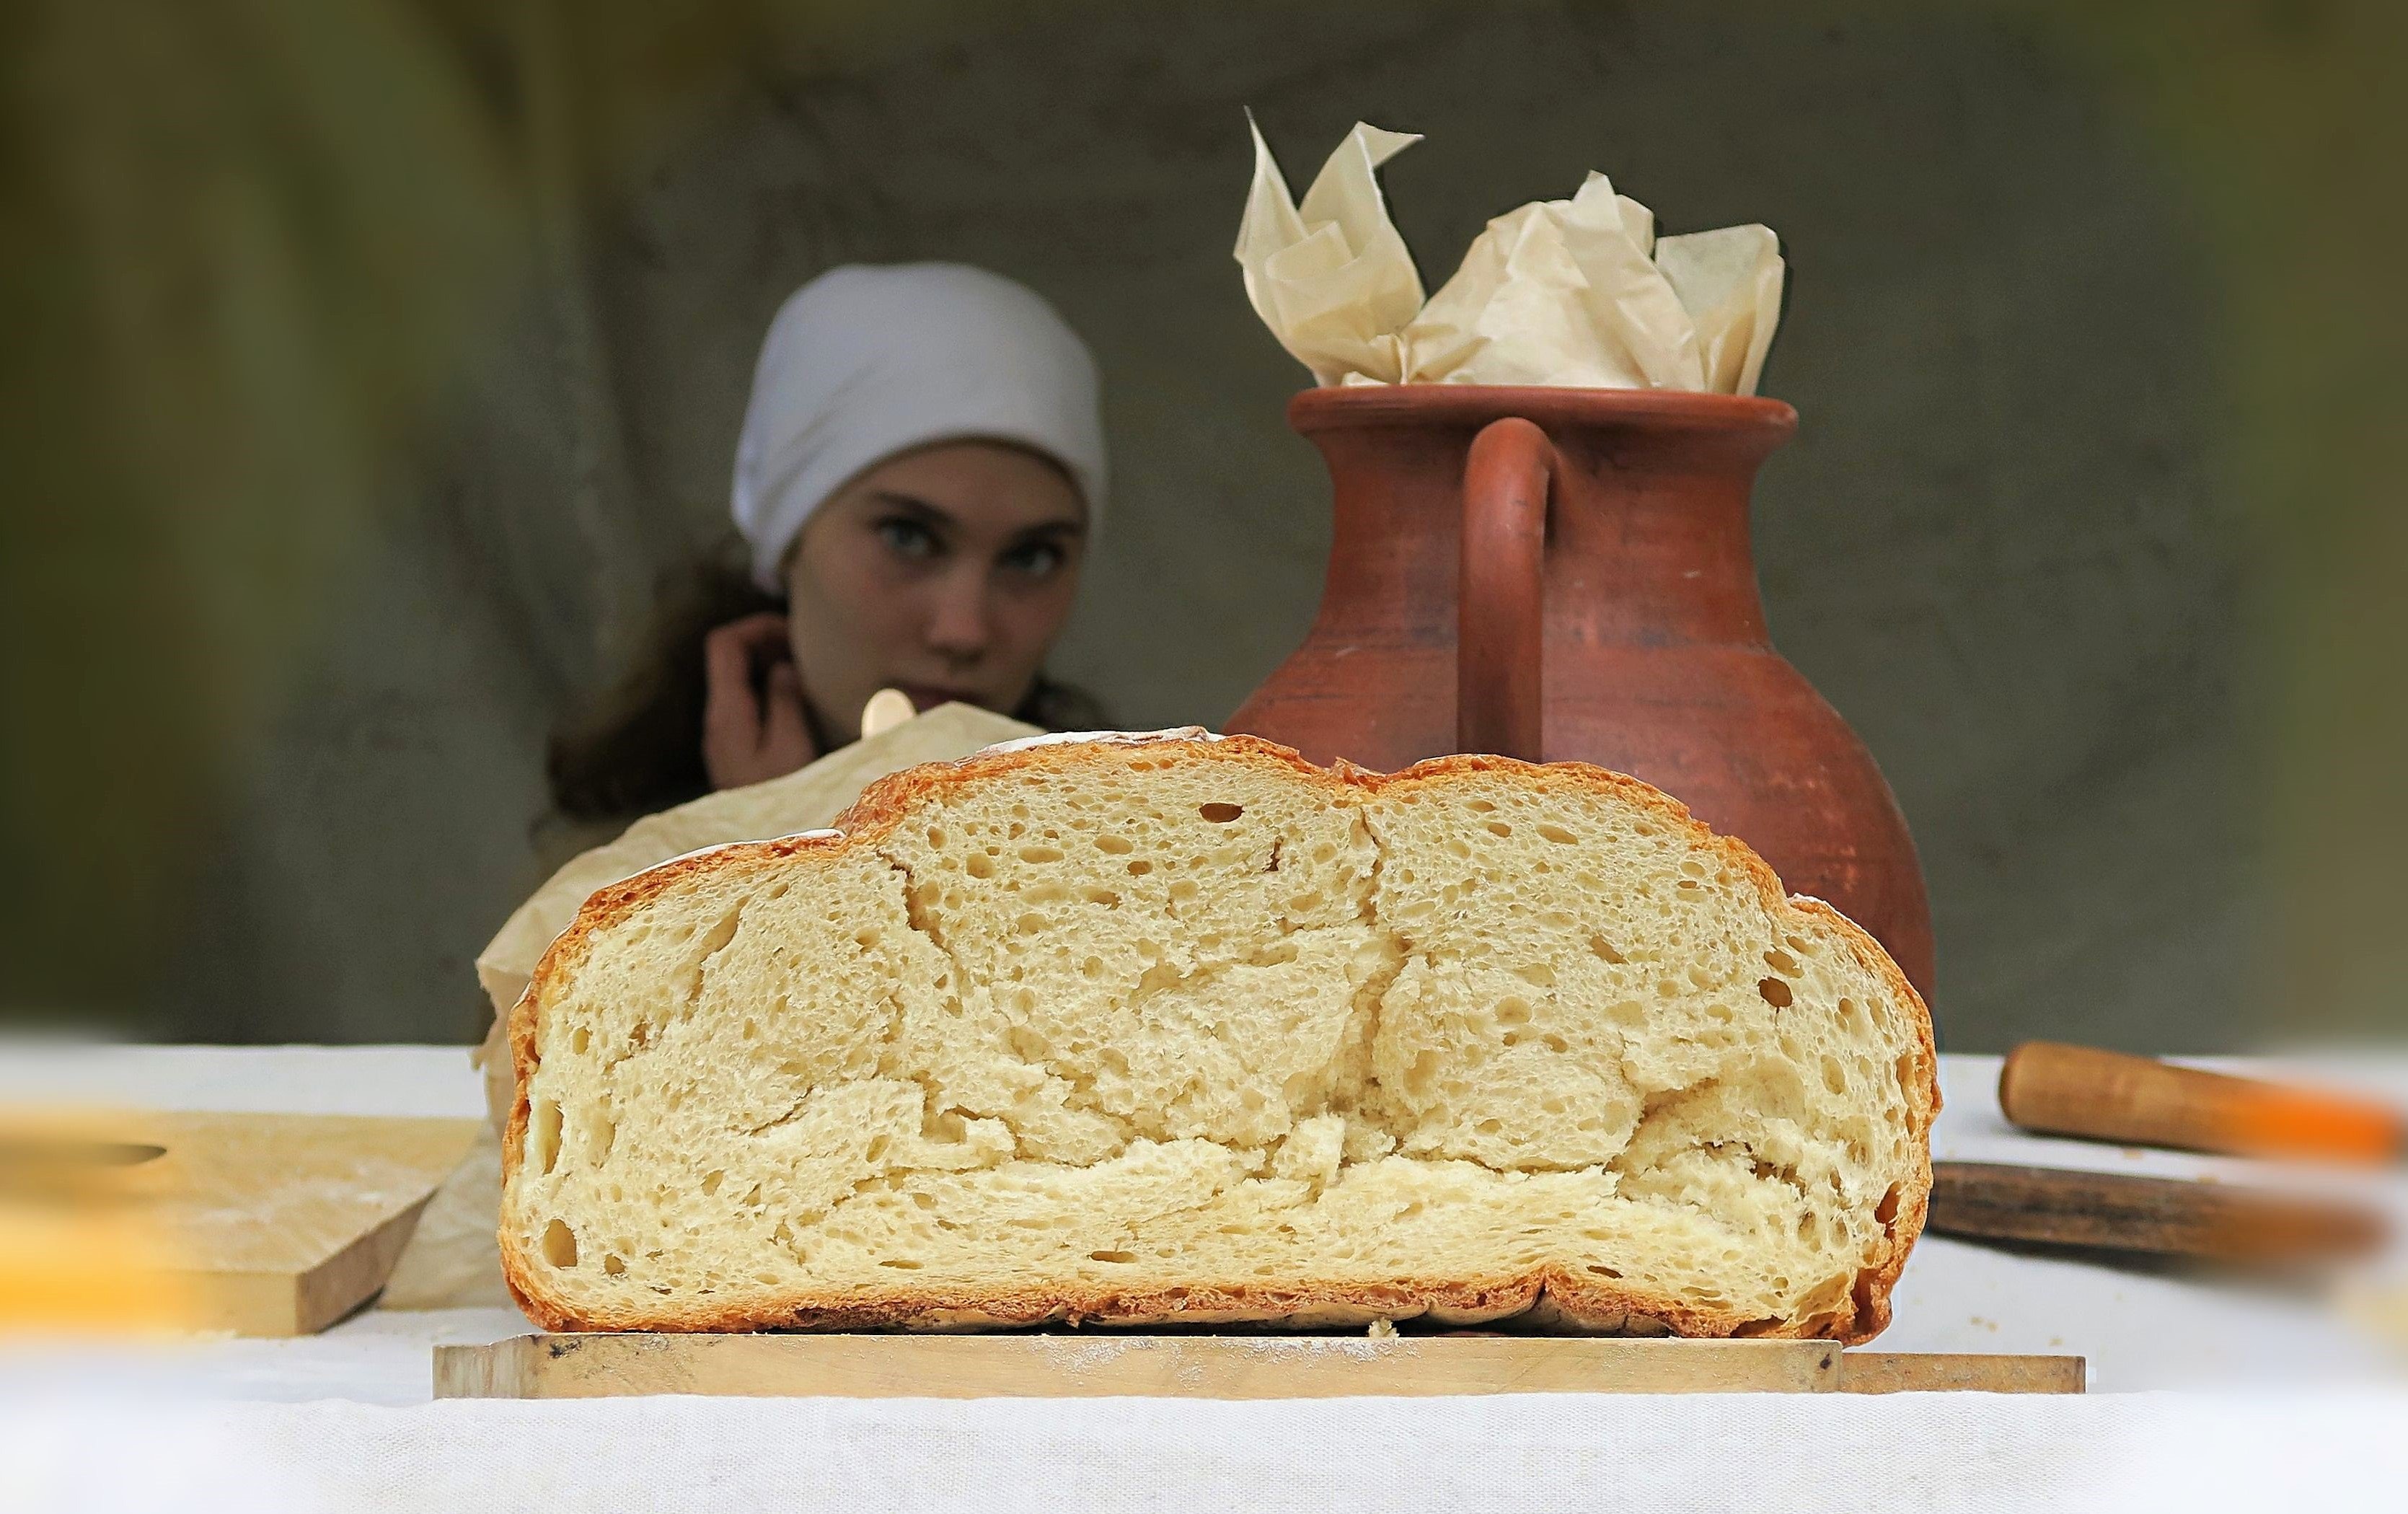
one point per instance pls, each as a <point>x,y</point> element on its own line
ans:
<point>368,360</point>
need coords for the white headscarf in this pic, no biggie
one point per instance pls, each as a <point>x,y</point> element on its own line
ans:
<point>867,361</point>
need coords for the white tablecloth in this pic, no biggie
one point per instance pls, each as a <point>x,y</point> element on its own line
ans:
<point>2205,1393</point>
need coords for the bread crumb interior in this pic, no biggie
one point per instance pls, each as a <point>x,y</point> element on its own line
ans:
<point>1163,1021</point>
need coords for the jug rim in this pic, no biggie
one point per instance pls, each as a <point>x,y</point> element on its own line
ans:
<point>1473,404</point>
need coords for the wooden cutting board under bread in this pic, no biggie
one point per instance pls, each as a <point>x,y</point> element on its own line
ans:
<point>250,1223</point>
<point>1225,1366</point>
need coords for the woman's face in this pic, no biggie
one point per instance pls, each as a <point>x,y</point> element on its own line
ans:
<point>946,572</point>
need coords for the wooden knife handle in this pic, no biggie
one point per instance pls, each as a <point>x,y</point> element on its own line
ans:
<point>1986,1200</point>
<point>2108,1096</point>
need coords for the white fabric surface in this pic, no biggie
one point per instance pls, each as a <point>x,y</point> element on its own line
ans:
<point>2283,1398</point>
<point>869,360</point>
<point>1779,1453</point>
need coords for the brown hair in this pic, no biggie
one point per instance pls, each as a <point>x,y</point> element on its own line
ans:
<point>638,749</point>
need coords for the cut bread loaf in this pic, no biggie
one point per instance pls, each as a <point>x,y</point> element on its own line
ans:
<point>1186,1029</point>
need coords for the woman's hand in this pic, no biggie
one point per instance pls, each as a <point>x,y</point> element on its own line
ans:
<point>753,730</point>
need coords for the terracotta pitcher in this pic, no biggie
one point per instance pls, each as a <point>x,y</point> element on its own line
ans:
<point>1605,610</point>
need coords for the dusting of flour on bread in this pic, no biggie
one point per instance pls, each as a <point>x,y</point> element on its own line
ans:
<point>1089,737</point>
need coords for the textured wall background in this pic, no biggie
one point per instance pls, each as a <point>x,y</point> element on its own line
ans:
<point>1997,546</point>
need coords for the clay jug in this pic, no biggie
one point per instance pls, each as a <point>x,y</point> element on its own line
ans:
<point>1565,574</point>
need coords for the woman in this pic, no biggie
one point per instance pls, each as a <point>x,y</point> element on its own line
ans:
<point>921,470</point>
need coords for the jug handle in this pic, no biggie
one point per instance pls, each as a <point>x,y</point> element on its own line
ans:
<point>1500,602</point>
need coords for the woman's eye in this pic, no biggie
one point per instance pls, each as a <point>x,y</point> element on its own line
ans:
<point>908,537</point>
<point>1035,560</point>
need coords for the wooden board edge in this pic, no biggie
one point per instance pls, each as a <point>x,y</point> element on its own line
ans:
<point>1134,1365</point>
<point>1960,1372</point>
<point>278,1304</point>
<point>489,1371</point>
<point>292,1296</point>
<point>259,1305</point>
<point>565,1367</point>
<point>332,1289</point>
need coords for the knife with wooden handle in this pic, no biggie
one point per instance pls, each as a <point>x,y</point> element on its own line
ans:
<point>2165,1217</point>
<point>2062,1089</point>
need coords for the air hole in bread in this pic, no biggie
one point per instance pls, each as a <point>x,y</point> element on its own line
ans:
<point>1219,813</point>
<point>1113,1256</point>
<point>1887,1210</point>
<point>560,1244</point>
<point>543,1135</point>
<point>1776,992</point>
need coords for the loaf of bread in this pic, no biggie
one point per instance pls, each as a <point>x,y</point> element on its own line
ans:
<point>1184,1029</point>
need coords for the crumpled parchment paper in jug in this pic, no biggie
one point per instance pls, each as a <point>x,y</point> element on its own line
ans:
<point>1576,293</point>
